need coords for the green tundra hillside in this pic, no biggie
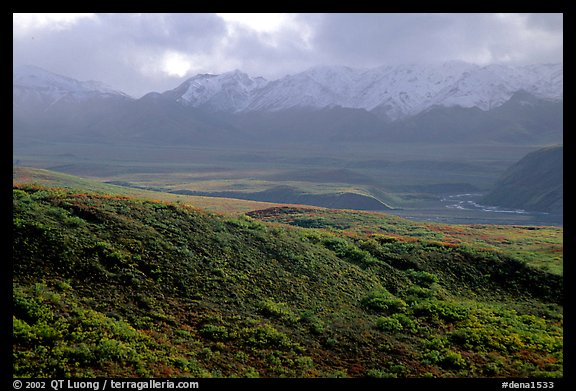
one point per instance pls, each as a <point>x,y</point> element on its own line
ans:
<point>106,285</point>
<point>535,182</point>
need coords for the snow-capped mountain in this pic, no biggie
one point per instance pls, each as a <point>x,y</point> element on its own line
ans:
<point>491,86</point>
<point>231,91</point>
<point>400,90</point>
<point>451,102</point>
<point>393,92</point>
<point>34,85</point>
<point>318,87</point>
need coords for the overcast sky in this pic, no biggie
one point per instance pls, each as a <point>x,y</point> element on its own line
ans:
<point>139,53</point>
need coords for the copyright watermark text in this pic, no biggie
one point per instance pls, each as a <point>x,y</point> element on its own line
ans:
<point>103,384</point>
<point>528,384</point>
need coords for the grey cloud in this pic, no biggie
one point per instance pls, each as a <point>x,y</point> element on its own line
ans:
<point>177,31</point>
<point>123,49</point>
<point>546,21</point>
<point>399,38</point>
<point>115,47</point>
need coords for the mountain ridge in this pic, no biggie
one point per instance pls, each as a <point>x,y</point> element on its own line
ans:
<point>535,182</point>
<point>398,91</point>
<point>55,86</point>
<point>330,103</point>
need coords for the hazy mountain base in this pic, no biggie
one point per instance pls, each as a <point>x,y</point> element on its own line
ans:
<point>156,120</point>
<point>109,286</point>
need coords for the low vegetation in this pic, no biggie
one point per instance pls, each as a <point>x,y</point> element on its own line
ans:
<point>48,178</point>
<point>106,285</point>
<point>540,246</point>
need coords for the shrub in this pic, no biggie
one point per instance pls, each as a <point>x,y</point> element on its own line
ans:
<point>436,343</point>
<point>436,310</point>
<point>349,252</point>
<point>493,368</point>
<point>64,286</point>
<point>251,373</point>
<point>278,310</point>
<point>315,324</point>
<point>111,349</point>
<point>304,363</point>
<point>446,358</point>
<point>422,278</point>
<point>380,374</point>
<point>406,322</point>
<point>471,338</point>
<point>389,324</point>
<point>416,292</point>
<point>266,336</point>
<point>432,357</point>
<point>453,360</point>
<point>21,331</point>
<point>384,301</point>
<point>217,333</point>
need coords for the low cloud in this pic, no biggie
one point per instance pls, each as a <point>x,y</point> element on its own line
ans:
<point>138,53</point>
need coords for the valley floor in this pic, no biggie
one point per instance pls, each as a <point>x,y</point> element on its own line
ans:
<point>416,181</point>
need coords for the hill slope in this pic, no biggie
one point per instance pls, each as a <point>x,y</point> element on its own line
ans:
<point>53,179</point>
<point>538,246</point>
<point>534,183</point>
<point>110,286</point>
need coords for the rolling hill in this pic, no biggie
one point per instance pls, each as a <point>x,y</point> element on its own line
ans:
<point>106,285</point>
<point>53,179</point>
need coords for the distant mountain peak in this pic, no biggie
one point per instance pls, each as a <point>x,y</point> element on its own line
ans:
<point>54,86</point>
<point>229,91</point>
<point>391,91</point>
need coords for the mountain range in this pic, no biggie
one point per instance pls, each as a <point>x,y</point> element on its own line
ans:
<point>394,92</point>
<point>453,101</point>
